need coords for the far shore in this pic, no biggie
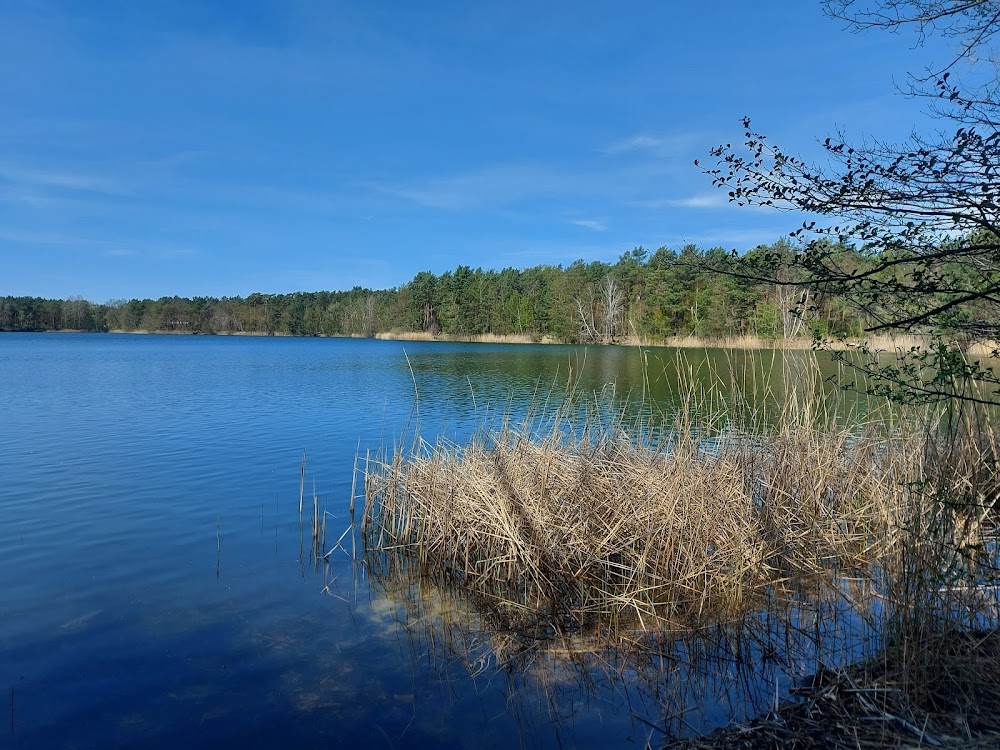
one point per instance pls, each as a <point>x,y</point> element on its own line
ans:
<point>875,343</point>
<point>676,342</point>
<point>881,343</point>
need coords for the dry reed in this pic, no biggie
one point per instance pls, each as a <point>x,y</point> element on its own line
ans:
<point>685,525</point>
<point>587,530</point>
<point>475,338</point>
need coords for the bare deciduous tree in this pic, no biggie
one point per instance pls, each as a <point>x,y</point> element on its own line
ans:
<point>602,311</point>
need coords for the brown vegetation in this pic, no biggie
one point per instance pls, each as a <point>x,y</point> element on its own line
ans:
<point>689,533</point>
<point>591,529</point>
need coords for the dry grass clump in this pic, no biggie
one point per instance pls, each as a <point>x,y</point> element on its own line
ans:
<point>588,522</point>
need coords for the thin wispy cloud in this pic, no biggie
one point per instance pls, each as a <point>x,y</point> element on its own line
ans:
<point>635,143</point>
<point>22,237</point>
<point>595,225</point>
<point>45,188</point>
<point>80,245</point>
<point>582,187</point>
<point>717,199</point>
<point>59,179</point>
<point>671,144</point>
<point>490,187</point>
<point>157,251</point>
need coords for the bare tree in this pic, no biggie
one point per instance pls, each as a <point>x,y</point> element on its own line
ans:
<point>613,308</point>
<point>602,311</point>
<point>793,305</point>
<point>585,311</point>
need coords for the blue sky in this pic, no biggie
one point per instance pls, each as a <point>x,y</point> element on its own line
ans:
<point>219,148</point>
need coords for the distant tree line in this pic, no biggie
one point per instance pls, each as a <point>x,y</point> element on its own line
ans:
<point>650,295</point>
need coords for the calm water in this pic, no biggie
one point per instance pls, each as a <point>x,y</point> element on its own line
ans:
<point>154,586</point>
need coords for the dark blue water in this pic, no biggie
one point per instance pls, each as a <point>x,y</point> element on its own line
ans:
<point>156,585</point>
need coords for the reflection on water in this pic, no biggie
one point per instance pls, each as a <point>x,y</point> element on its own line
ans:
<point>659,684</point>
<point>469,384</point>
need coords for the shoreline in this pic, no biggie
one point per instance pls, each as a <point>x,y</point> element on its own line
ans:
<point>876,343</point>
<point>674,342</point>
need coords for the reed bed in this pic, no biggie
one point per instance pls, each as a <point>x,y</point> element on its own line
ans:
<point>684,520</point>
<point>475,338</point>
<point>590,533</point>
<point>691,533</point>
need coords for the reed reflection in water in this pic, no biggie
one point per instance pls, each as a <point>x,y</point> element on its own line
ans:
<point>664,682</point>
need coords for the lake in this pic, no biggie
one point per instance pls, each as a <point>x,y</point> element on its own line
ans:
<point>158,588</point>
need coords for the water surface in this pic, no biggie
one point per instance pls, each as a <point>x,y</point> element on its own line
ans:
<point>157,588</point>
